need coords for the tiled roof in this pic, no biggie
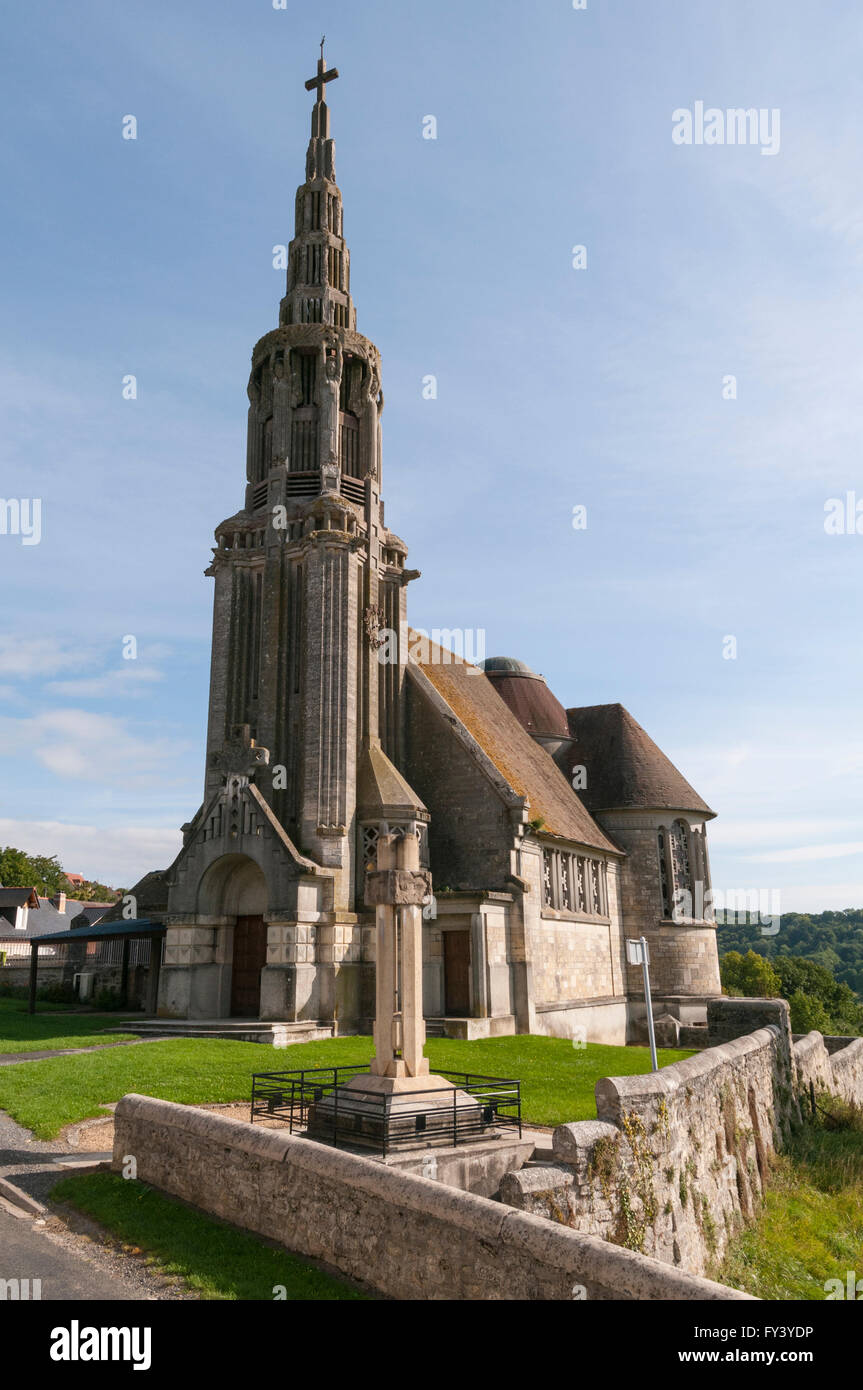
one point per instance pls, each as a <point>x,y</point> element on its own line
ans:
<point>46,918</point>
<point>624,767</point>
<point>523,763</point>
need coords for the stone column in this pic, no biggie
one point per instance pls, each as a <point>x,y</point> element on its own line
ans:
<point>396,890</point>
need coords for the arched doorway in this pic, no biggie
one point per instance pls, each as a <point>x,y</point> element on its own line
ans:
<point>234,887</point>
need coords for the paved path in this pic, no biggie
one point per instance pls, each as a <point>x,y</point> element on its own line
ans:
<point>30,1251</point>
<point>8,1059</point>
<point>66,1254</point>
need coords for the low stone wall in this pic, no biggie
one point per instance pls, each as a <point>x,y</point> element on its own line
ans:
<point>830,1064</point>
<point>677,1160</point>
<point>406,1236</point>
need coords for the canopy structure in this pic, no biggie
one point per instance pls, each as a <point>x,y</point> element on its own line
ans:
<point>137,928</point>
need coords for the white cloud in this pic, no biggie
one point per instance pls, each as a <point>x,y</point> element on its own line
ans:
<point>41,656</point>
<point>820,897</point>
<point>76,743</point>
<point>128,679</point>
<point>118,856</point>
<point>807,853</point>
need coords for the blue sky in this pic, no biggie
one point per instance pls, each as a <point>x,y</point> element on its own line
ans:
<point>558,387</point>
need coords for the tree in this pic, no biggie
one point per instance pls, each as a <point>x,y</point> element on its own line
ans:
<point>20,870</point>
<point>808,1013</point>
<point>750,975</point>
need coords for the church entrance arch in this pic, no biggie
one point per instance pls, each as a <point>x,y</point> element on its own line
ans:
<point>235,888</point>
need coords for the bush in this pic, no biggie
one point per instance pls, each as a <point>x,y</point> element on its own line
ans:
<point>107,1000</point>
<point>55,993</point>
<point>10,991</point>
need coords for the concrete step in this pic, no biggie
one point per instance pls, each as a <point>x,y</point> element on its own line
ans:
<point>276,1033</point>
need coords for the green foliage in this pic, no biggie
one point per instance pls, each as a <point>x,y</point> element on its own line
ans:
<point>808,1013</point>
<point>20,870</point>
<point>830,939</point>
<point>107,999</point>
<point>214,1259</point>
<point>817,998</point>
<point>48,1029</point>
<point>811,1227</point>
<point>750,975</point>
<point>48,877</point>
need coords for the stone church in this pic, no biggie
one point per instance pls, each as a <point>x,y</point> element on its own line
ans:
<point>552,834</point>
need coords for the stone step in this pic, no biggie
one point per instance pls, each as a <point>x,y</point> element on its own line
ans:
<point>276,1033</point>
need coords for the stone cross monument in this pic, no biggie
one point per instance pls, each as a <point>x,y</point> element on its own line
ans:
<point>397,890</point>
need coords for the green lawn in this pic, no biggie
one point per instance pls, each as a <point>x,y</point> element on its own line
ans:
<point>215,1260</point>
<point>46,1029</point>
<point>557,1078</point>
<point>811,1227</point>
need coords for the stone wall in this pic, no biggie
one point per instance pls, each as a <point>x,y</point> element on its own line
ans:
<point>406,1236</point>
<point>676,1162</point>
<point>819,1070</point>
<point>684,961</point>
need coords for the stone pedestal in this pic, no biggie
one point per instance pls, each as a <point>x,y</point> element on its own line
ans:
<point>393,1111</point>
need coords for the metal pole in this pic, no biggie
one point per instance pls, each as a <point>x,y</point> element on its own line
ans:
<point>648,1001</point>
<point>34,966</point>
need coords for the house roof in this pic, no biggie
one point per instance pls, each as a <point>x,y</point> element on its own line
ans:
<point>523,763</point>
<point>18,897</point>
<point>46,918</point>
<point>625,770</point>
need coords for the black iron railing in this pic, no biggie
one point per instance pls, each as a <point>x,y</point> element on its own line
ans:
<point>318,1101</point>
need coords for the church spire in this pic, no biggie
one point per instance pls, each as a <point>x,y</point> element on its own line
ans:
<point>318,288</point>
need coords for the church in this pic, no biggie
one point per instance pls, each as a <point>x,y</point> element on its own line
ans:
<point>552,833</point>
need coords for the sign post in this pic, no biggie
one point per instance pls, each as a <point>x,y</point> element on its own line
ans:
<point>638,953</point>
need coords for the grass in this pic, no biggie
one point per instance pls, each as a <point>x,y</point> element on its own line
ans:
<point>557,1078</point>
<point>811,1227</point>
<point>47,1029</point>
<point>216,1260</point>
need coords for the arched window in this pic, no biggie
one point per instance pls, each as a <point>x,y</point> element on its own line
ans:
<point>677,869</point>
<point>664,870</point>
<point>680,858</point>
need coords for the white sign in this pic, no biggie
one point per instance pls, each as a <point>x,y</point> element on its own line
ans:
<point>637,953</point>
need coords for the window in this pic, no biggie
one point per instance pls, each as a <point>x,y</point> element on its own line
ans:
<point>573,883</point>
<point>682,869</point>
<point>664,878</point>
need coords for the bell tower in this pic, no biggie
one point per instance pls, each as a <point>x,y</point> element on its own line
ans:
<point>309,617</point>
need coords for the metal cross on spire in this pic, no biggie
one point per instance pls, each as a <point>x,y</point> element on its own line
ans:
<point>319,82</point>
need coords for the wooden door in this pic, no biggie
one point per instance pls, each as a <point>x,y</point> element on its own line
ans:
<point>250,957</point>
<point>456,973</point>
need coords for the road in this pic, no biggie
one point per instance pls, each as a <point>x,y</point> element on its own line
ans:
<point>29,1251</point>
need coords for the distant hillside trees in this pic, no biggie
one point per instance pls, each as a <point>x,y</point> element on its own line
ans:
<point>816,998</point>
<point>831,939</point>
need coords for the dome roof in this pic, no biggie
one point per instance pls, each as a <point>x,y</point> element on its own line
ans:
<point>510,664</point>
<point>528,696</point>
